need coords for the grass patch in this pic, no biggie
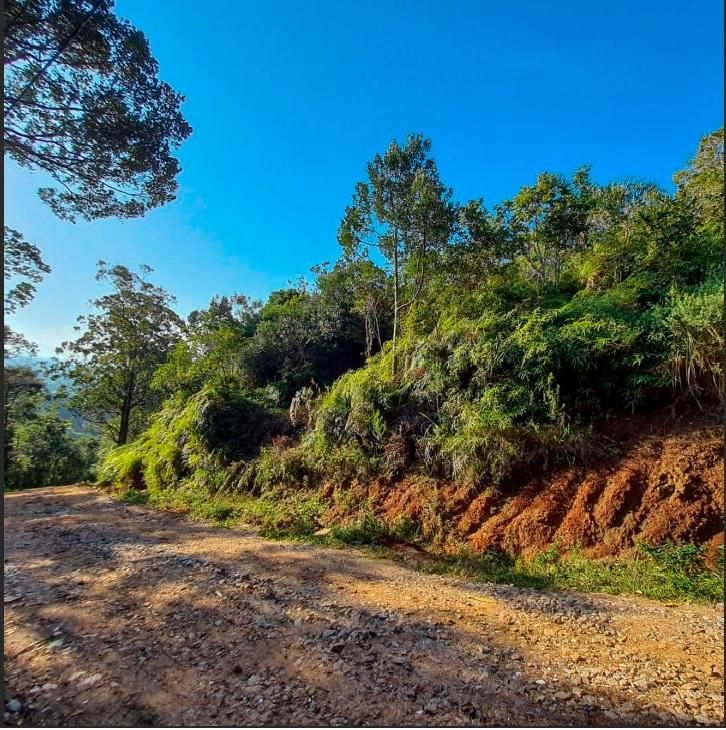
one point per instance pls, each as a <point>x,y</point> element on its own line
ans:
<point>370,530</point>
<point>133,496</point>
<point>275,515</point>
<point>665,572</point>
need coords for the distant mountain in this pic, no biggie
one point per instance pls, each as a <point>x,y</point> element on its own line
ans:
<point>38,364</point>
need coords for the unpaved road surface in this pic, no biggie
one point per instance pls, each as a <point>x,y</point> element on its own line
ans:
<point>115,615</point>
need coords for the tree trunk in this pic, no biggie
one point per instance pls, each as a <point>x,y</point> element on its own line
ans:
<point>395,308</point>
<point>367,320</point>
<point>123,431</point>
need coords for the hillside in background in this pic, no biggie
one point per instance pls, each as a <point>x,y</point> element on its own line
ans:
<point>53,384</point>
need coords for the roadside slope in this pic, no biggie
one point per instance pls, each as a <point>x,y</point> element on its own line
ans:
<point>117,615</point>
<point>664,484</point>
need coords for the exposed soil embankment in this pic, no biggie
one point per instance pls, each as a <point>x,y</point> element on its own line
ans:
<point>664,482</point>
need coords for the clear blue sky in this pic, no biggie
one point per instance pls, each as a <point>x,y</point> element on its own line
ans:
<point>289,100</point>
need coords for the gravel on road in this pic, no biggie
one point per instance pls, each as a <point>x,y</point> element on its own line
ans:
<point>118,615</point>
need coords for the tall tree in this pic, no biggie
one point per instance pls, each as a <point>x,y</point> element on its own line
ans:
<point>112,363</point>
<point>83,102</point>
<point>24,267</point>
<point>405,212</point>
<point>703,180</point>
<point>360,293</point>
<point>552,218</point>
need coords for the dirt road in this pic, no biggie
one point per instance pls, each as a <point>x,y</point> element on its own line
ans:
<point>115,615</point>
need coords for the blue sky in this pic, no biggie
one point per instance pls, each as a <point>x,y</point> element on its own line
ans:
<point>290,100</point>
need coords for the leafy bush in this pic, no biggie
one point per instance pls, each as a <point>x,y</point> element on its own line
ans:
<point>123,466</point>
<point>196,440</point>
<point>691,324</point>
<point>133,496</point>
<point>367,529</point>
<point>45,452</point>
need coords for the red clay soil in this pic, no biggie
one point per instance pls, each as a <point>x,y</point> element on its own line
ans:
<point>665,483</point>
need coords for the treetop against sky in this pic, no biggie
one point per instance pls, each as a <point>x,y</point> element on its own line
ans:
<point>289,103</point>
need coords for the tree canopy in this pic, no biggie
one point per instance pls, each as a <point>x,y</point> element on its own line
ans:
<point>24,267</point>
<point>405,212</point>
<point>123,342</point>
<point>83,102</point>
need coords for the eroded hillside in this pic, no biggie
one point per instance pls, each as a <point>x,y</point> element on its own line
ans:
<point>666,483</point>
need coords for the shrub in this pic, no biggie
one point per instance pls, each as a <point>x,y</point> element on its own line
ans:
<point>197,440</point>
<point>692,325</point>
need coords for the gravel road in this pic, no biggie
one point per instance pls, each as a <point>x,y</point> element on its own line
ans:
<point>117,615</point>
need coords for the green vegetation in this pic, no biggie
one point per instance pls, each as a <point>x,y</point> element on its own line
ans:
<point>39,446</point>
<point>665,572</point>
<point>492,342</point>
<point>451,342</point>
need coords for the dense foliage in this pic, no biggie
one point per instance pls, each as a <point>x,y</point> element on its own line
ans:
<point>39,447</point>
<point>83,102</point>
<point>517,329</point>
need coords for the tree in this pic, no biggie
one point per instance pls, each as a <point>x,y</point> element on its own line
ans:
<point>25,267</point>
<point>46,453</point>
<point>481,244</point>
<point>405,212</point>
<point>112,363</point>
<point>212,349</point>
<point>703,180</point>
<point>551,219</point>
<point>359,292</point>
<point>39,448</point>
<point>83,102</point>
<point>22,392</point>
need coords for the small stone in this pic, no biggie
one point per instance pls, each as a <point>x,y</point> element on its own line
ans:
<point>15,706</point>
<point>90,681</point>
<point>252,680</point>
<point>337,647</point>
